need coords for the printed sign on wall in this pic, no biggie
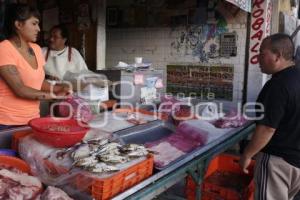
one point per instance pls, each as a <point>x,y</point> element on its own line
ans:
<point>138,79</point>
<point>205,82</point>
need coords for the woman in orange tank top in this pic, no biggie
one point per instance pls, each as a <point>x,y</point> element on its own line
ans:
<point>22,77</point>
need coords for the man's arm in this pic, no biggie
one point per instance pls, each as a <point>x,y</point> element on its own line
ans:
<point>11,76</point>
<point>260,139</point>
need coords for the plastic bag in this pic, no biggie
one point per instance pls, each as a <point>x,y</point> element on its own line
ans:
<point>167,104</point>
<point>210,112</point>
<point>55,167</point>
<point>230,120</point>
<point>193,135</point>
<point>86,82</point>
<point>48,168</point>
<point>186,138</point>
<point>208,131</point>
<point>53,193</point>
<point>77,108</point>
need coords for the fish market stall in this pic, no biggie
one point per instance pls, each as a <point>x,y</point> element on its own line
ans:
<point>193,163</point>
<point>78,172</point>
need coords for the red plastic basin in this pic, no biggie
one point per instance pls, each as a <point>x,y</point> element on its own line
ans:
<point>58,132</point>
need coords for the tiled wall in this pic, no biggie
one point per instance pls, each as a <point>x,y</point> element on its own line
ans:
<point>156,45</point>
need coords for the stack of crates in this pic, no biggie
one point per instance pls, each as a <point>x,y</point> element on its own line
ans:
<point>106,188</point>
<point>224,180</point>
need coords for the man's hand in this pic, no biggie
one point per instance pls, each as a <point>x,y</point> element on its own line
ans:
<point>260,139</point>
<point>244,163</point>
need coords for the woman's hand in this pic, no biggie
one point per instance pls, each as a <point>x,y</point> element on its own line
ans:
<point>62,90</point>
<point>58,90</point>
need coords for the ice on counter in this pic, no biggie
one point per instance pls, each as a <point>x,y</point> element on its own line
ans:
<point>122,65</point>
<point>134,65</point>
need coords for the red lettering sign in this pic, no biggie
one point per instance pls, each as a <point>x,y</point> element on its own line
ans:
<point>257,3</point>
<point>254,59</point>
<point>255,48</point>
<point>258,35</point>
<point>258,13</point>
<point>257,23</point>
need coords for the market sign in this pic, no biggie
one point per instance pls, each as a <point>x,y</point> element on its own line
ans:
<point>242,4</point>
<point>260,27</point>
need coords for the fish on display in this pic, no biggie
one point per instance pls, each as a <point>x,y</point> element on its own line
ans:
<point>131,148</point>
<point>138,153</point>
<point>81,149</point>
<point>100,156</point>
<point>113,159</point>
<point>103,167</point>
<point>81,152</point>
<point>86,162</point>
<point>107,148</point>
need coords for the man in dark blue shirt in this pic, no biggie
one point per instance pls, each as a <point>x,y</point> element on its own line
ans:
<point>277,133</point>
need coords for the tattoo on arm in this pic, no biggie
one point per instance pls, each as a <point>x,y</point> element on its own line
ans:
<point>11,76</point>
<point>10,73</point>
<point>12,70</point>
<point>40,97</point>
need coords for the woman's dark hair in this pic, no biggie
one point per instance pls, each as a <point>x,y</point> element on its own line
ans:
<point>17,12</point>
<point>63,31</point>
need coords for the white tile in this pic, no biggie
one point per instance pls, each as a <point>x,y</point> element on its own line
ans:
<point>159,50</point>
<point>146,42</point>
<point>229,26</point>
<point>236,78</point>
<point>241,59</point>
<point>254,68</point>
<point>241,51</point>
<point>254,85</point>
<point>226,60</point>
<point>236,26</point>
<point>238,68</point>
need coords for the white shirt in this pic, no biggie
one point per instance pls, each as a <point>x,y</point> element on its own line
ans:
<point>58,64</point>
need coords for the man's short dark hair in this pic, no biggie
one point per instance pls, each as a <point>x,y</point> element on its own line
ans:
<point>283,44</point>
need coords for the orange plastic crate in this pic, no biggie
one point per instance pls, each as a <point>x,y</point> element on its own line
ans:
<point>17,136</point>
<point>108,104</point>
<point>106,188</point>
<point>210,191</point>
<point>15,162</point>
